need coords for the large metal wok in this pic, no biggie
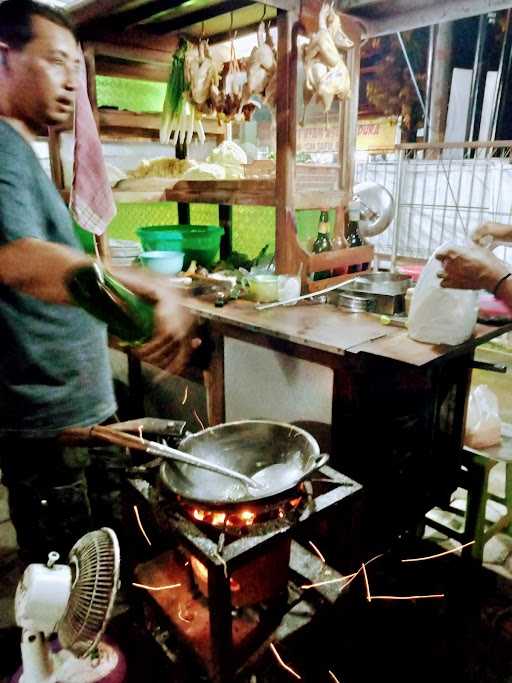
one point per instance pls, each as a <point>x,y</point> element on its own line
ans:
<point>277,455</point>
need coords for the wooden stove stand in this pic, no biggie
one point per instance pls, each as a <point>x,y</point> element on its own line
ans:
<point>221,558</point>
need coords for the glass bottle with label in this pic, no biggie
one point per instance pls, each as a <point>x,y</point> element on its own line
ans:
<point>322,243</point>
<point>354,238</point>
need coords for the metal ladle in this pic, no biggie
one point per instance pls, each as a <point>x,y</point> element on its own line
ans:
<point>84,434</point>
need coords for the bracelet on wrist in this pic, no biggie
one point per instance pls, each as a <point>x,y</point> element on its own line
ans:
<point>500,282</point>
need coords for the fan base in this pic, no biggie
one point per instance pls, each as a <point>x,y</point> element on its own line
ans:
<point>70,669</point>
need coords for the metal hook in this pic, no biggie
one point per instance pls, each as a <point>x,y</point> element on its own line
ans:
<point>231,22</point>
<point>202,30</point>
<point>264,13</point>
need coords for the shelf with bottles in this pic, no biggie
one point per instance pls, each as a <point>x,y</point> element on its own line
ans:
<point>337,259</point>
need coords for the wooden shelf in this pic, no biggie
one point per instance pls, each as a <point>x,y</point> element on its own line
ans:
<point>227,192</point>
<point>250,192</point>
<point>122,122</point>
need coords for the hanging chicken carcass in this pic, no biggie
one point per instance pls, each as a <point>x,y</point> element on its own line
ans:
<point>203,75</point>
<point>261,67</point>
<point>326,74</point>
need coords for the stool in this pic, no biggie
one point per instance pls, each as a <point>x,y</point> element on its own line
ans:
<point>474,478</point>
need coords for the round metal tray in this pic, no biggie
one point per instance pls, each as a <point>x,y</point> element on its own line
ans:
<point>355,302</point>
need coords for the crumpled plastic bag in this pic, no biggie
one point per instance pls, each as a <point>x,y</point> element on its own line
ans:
<point>483,423</point>
<point>439,315</point>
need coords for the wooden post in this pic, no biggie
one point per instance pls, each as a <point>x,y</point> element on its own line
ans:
<point>349,109</point>
<point>55,159</point>
<point>214,383</point>
<point>286,113</point>
<point>226,221</point>
<point>183,207</point>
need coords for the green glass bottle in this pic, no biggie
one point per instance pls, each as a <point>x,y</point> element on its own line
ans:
<point>322,243</point>
<point>354,238</point>
<point>128,316</point>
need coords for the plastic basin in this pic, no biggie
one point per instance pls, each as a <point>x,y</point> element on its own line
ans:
<point>198,242</point>
<point>167,262</point>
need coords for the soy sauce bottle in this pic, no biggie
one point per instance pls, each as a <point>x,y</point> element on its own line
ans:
<point>322,243</point>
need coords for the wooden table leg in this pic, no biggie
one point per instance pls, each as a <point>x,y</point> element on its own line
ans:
<point>214,383</point>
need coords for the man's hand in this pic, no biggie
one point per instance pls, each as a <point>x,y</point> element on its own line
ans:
<point>488,234</point>
<point>173,339</point>
<point>470,268</point>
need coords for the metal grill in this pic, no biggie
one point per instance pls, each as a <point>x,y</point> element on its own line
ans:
<point>442,192</point>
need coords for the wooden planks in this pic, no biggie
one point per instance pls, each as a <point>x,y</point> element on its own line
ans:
<point>228,192</point>
<point>327,329</point>
<point>402,348</point>
<point>286,256</point>
<point>128,119</point>
<point>321,327</point>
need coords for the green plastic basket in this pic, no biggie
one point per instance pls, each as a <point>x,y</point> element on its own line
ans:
<point>198,242</point>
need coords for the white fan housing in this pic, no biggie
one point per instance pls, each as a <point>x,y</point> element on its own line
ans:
<point>75,601</point>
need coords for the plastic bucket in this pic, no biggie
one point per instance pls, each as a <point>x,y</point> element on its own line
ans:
<point>198,242</point>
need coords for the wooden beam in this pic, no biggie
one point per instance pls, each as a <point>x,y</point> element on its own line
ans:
<point>287,260</point>
<point>131,38</point>
<point>208,11</point>
<point>134,53</point>
<point>414,15</point>
<point>121,69</point>
<point>129,119</point>
<point>55,158</point>
<point>150,9</point>
<point>349,108</point>
<point>96,9</point>
<point>100,241</point>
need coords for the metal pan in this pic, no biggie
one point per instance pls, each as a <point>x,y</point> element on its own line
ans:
<point>276,454</point>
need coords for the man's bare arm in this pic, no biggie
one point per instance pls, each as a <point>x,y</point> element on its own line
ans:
<point>39,268</point>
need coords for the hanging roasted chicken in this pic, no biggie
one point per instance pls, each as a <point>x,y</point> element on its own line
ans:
<point>326,73</point>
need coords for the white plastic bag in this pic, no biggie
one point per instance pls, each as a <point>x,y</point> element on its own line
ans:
<point>440,315</point>
<point>483,424</point>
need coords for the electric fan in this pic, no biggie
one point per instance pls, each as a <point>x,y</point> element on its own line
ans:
<point>75,601</point>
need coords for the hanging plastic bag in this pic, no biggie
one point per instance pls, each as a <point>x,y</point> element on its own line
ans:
<point>483,423</point>
<point>440,315</point>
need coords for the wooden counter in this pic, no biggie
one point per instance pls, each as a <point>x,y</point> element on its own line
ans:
<point>398,409</point>
<point>331,330</point>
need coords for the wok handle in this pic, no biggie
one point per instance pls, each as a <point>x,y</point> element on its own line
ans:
<point>319,462</point>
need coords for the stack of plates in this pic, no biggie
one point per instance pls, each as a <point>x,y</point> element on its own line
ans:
<point>124,252</point>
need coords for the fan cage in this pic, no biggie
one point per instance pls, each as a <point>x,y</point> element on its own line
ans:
<point>95,560</point>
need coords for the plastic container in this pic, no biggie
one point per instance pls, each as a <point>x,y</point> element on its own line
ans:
<point>198,242</point>
<point>166,262</point>
<point>264,288</point>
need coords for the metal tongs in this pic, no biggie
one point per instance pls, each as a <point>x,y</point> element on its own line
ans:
<point>119,438</point>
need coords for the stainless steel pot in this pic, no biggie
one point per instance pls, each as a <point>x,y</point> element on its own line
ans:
<point>278,455</point>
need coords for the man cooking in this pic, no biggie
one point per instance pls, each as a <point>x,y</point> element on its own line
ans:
<point>54,365</point>
<point>477,267</point>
